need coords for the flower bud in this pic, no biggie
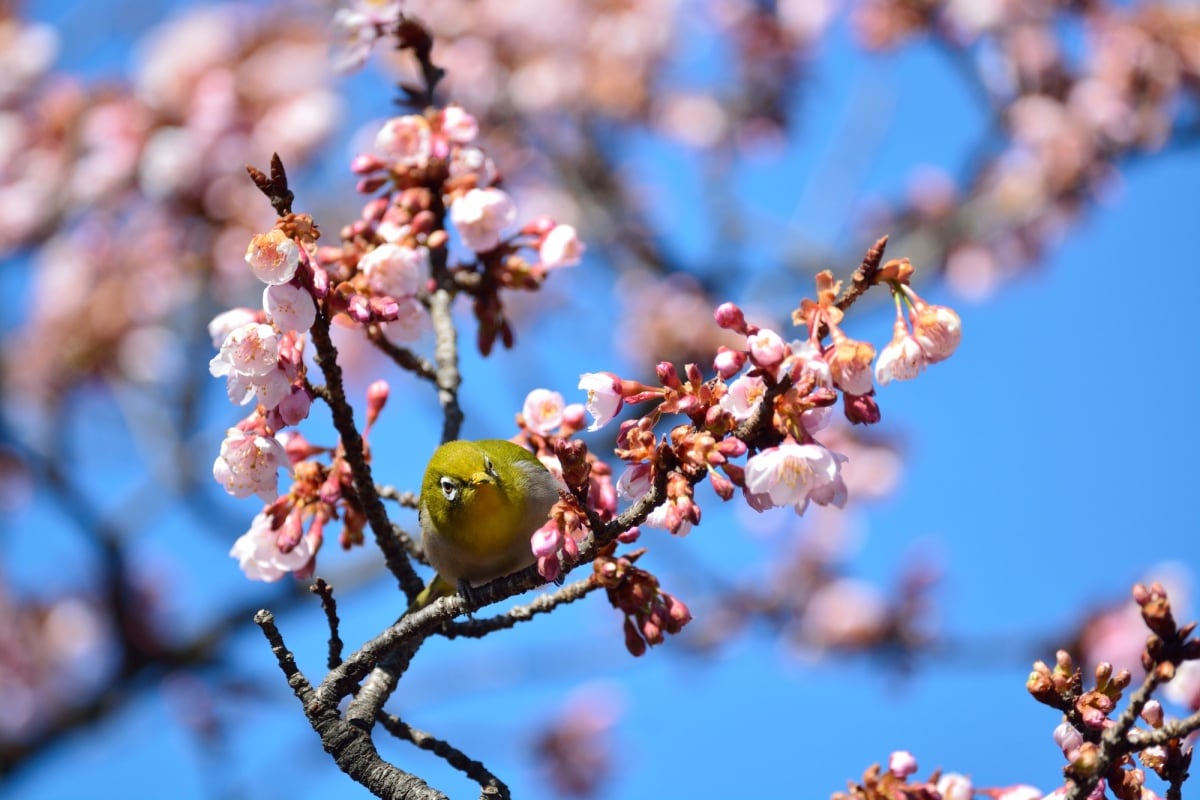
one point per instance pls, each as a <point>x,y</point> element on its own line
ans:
<point>902,764</point>
<point>861,409</point>
<point>730,317</point>
<point>1067,738</point>
<point>377,397</point>
<point>728,363</point>
<point>633,641</point>
<point>1152,713</point>
<point>546,539</point>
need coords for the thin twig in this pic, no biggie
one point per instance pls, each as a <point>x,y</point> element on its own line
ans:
<point>329,606</point>
<point>477,628</point>
<point>403,357</point>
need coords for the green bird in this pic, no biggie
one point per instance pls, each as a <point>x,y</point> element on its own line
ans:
<point>480,503</point>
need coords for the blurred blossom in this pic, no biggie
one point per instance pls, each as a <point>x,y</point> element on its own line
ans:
<point>845,613</point>
<point>27,51</point>
<point>543,411</point>
<point>575,748</point>
<point>481,215</point>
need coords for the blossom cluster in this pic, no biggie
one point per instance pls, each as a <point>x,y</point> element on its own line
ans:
<point>425,171</point>
<point>770,398</point>
<point>1085,734</point>
<point>768,401</point>
<point>894,782</point>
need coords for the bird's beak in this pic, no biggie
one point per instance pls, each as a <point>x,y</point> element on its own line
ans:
<point>480,478</point>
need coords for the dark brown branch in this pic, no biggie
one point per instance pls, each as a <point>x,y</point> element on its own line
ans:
<point>492,787</point>
<point>351,747</point>
<point>343,420</point>
<point>1174,729</point>
<point>864,276</point>
<point>329,606</point>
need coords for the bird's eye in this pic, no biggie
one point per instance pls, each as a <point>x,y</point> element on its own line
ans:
<point>488,467</point>
<point>449,489</point>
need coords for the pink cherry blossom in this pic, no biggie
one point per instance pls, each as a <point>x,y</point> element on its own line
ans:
<point>458,126</point>
<point>480,216</point>
<point>252,349</point>
<point>561,247</point>
<point>953,786</point>
<point>258,554</point>
<point>405,139</point>
<point>767,348</point>
<point>937,329</point>
<point>273,257</point>
<point>249,464</point>
<point>226,322</point>
<point>289,307</point>
<point>543,411</point>
<point>394,270</point>
<point>791,474</point>
<point>604,399</point>
<point>743,396</point>
<point>902,359</point>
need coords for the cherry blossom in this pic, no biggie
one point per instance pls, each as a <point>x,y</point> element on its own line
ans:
<point>543,411</point>
<point>561,247</point>
<point>792,474</point>
<point>480,216</point>
<point>902,359</point>
<point>289,307</point>
<point>258,554</point>
<point>405,139</point>
<point>249,464</point>
<point>273,256</point>
<point>604,398</point>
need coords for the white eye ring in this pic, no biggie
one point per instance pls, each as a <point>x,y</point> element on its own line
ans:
<point>449,489</point>
<point>487,466</point>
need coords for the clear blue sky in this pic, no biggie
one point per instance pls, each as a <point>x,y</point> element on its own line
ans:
<point>1049,464</point>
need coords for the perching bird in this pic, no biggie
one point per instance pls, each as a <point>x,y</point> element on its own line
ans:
<point>480,503</point>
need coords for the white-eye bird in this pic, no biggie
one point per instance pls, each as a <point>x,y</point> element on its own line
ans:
<point>480,503</point>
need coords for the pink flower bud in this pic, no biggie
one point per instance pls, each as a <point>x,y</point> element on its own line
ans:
<point>861,409</point>
<point>370,185</point>
<point>767,348</point>
<point>290,533</point>
<point>667,375</point>
<point>633,640</point>
<point>294,408</point>
<point>549,567</point>
<point>377,397</point>
<point>365,164</point>
<point>678,610</point>
<point>358,309</point>
<point>730,317</point>
<point>728,363</point>
<point>902,764</point>
<point>546,540</point>
<point>630,536</point>
<point>1152,713</point>
<point>574,416</point>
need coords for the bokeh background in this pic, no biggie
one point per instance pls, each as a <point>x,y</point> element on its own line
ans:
<point>1036,161</point>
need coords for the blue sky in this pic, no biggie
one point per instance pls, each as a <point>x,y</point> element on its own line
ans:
<point>1049,464</point>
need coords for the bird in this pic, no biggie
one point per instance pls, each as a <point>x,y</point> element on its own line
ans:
<point>480,503</point>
